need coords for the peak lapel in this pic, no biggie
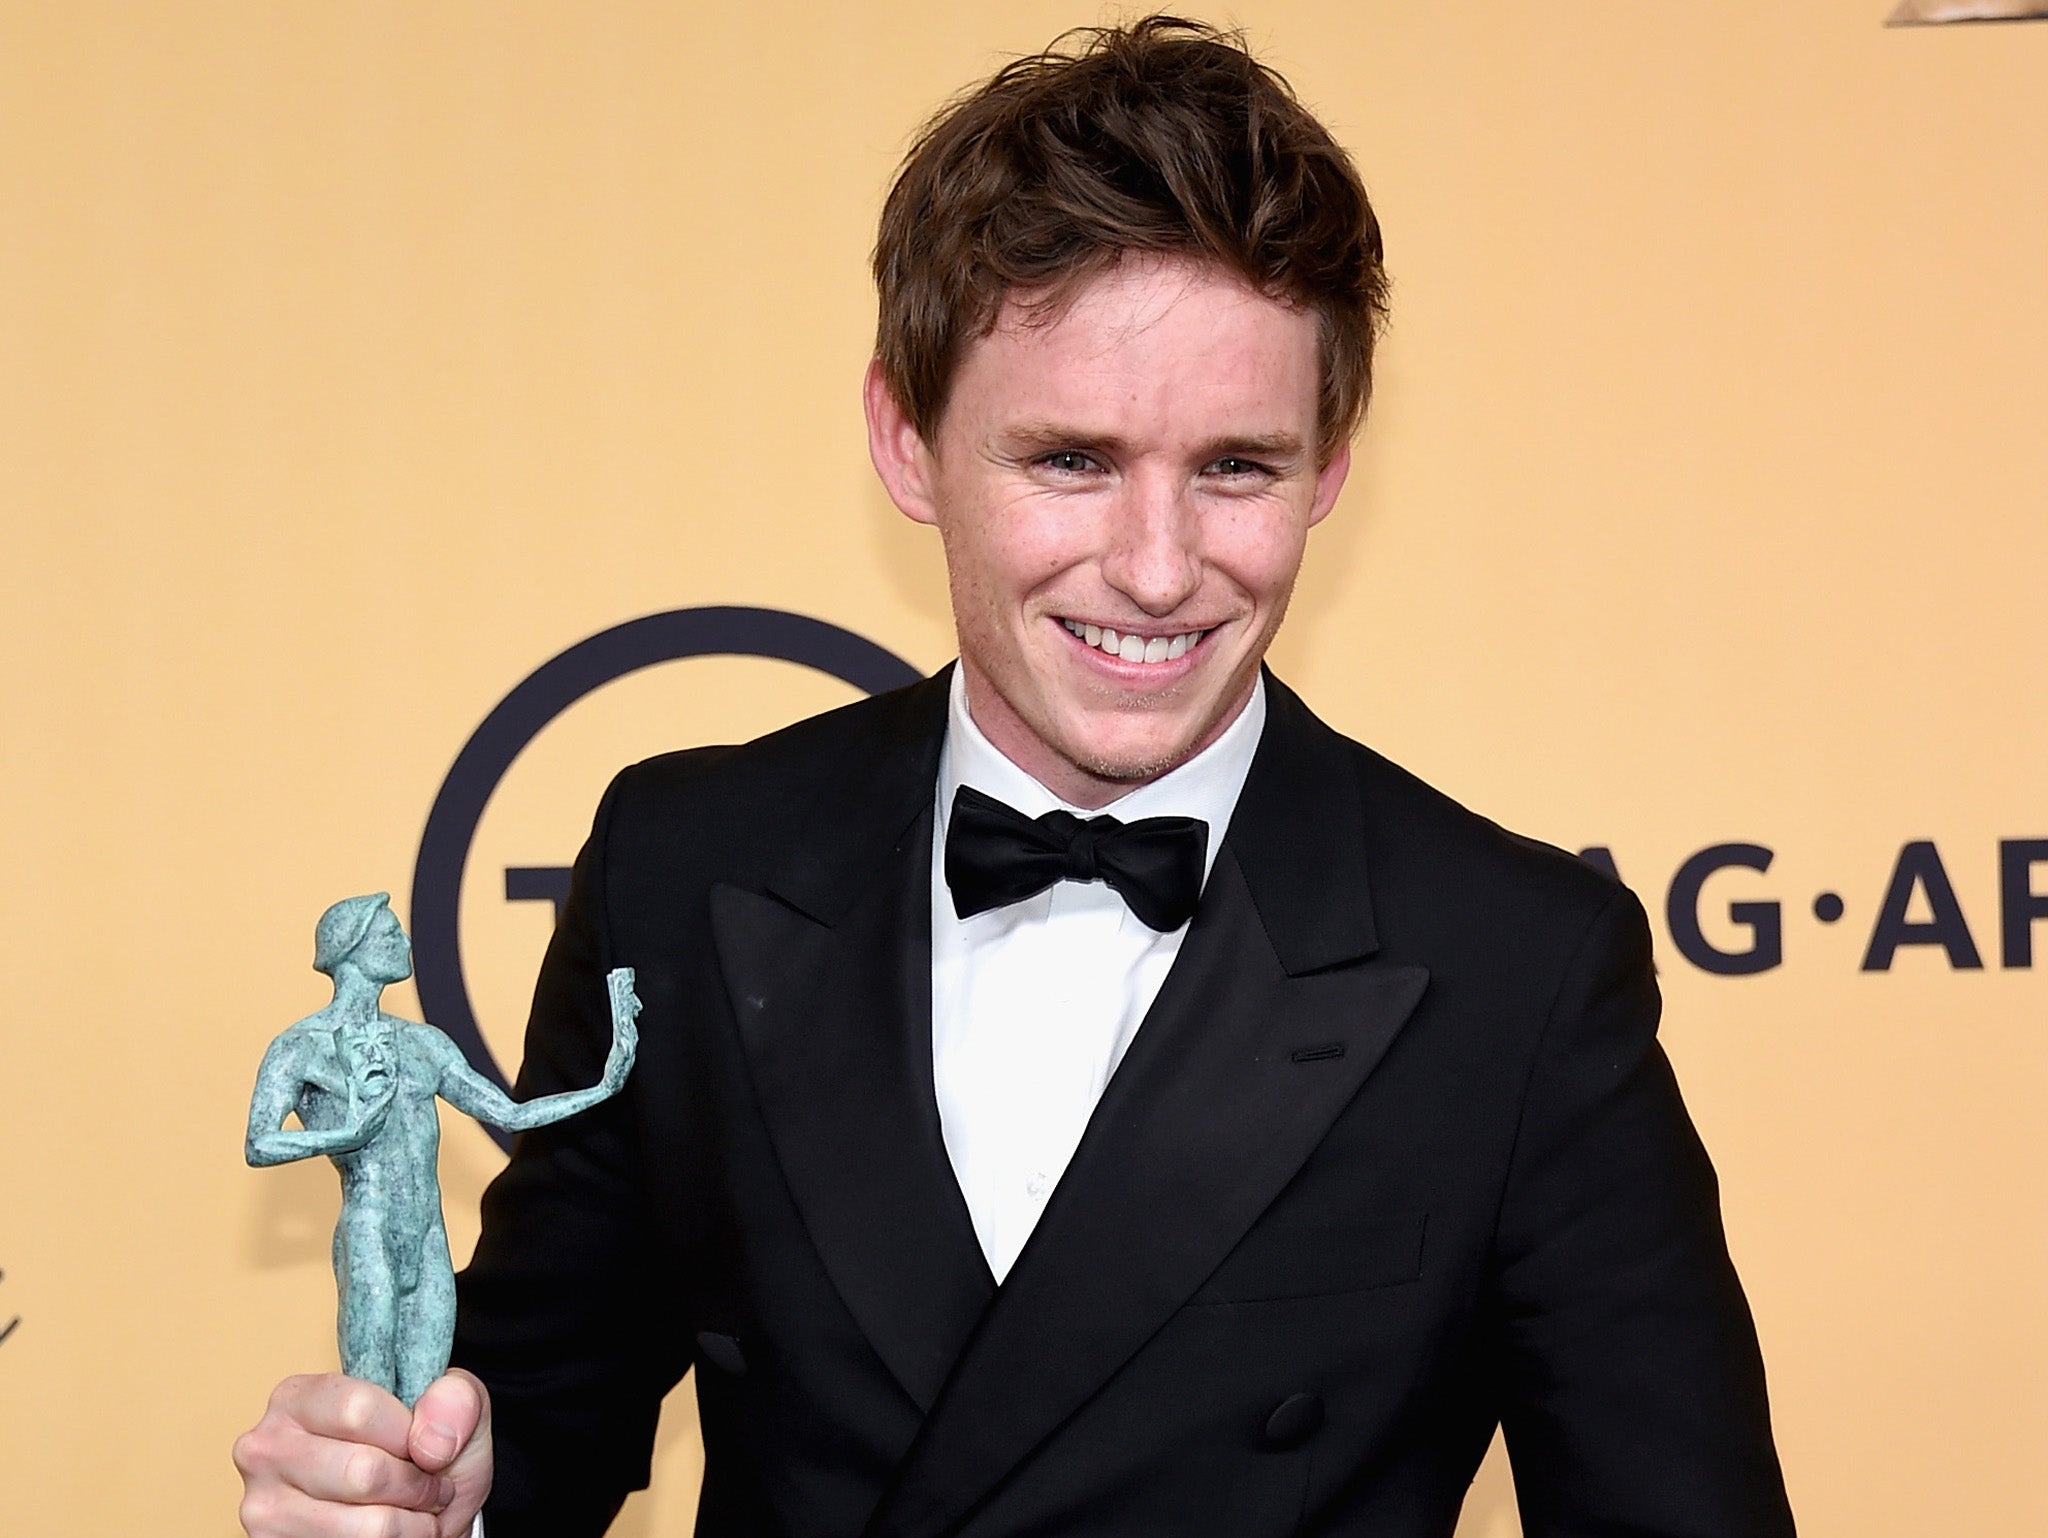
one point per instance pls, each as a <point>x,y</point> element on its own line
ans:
<point>830,981</point>
<point>1255,1044</point>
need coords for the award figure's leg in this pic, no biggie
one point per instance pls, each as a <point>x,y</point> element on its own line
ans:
<point>426,1316</point>
<point>365,1280</point>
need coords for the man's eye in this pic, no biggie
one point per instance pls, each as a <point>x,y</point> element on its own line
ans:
<point>1232,465</point>
<point>1067,461</point>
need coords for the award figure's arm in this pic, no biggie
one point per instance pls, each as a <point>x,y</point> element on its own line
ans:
<point>469,1091</point>
<point>278,1082</point>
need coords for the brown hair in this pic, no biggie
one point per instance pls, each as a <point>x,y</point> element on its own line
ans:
<point>1161,136</point>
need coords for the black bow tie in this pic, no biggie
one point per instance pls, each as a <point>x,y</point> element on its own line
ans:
<point>995,855</point>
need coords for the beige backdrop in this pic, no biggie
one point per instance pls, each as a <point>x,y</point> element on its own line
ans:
<point>355,359</point>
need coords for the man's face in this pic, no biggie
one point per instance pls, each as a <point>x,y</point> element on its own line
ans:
<point>1145,465</point>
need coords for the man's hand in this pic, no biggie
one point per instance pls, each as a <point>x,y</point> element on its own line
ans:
<point>334,1457</point>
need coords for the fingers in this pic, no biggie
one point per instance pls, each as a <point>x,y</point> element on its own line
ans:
<point>453,1415</point>
<point>328,1460</point>
<point>289,1514</point>
<point>282,1512</point>
<point>345,1409</point>
<point>355,1474</point>
<point>451,1434</point>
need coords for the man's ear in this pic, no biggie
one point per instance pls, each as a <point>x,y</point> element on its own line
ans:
<point>901,458</point>
<point>1330,481</point>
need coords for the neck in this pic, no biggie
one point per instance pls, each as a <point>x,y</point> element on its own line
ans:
<point>355,995</point>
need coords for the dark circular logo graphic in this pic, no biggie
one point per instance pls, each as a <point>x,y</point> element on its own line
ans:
<point>523,714</point>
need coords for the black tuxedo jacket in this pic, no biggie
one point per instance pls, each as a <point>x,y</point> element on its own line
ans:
<point>1395,1156</point>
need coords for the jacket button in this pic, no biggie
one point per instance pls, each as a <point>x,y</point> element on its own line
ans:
<point>1294,1420</point>
<point>722,1352</point>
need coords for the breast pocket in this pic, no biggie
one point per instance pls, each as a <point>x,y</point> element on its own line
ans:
<point>1300,1259</point>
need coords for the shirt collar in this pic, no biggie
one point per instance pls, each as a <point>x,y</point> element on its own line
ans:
<point>1206,786</point>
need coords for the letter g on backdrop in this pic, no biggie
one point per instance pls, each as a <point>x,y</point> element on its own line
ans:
<point>524,713</point>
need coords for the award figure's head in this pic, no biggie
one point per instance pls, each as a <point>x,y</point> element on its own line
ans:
<point>363,933</point>
<point>1129,294</point>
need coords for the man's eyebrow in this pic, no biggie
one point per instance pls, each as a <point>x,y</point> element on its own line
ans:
<point>1043,435</point>
<point>1280,445</point>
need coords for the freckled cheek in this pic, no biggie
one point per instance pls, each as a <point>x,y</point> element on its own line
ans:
<point>1258,556</point>
<point>1040,535</point>
<point>1020,554</point>
<point>1031,561</point>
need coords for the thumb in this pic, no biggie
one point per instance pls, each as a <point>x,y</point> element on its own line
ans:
<point>454,1411</point>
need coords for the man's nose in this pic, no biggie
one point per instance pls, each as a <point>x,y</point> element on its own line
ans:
<point>1151,557</point>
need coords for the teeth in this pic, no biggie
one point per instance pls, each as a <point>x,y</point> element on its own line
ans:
<point>1136,648</point>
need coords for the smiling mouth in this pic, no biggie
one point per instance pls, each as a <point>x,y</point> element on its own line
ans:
<point>1131,647</point>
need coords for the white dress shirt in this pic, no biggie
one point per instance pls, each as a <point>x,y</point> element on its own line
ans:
<point>1034,1004</point>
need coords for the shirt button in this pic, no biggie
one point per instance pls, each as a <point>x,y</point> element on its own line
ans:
<point>1035,1186</point>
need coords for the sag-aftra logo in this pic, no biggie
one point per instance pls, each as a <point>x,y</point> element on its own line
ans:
<point>1918,884</point>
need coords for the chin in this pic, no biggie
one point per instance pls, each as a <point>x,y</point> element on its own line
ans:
<point>1131,763</point>
<point>1162,741</point>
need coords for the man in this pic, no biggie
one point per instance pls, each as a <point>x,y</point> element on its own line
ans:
<point>985,1191</point>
